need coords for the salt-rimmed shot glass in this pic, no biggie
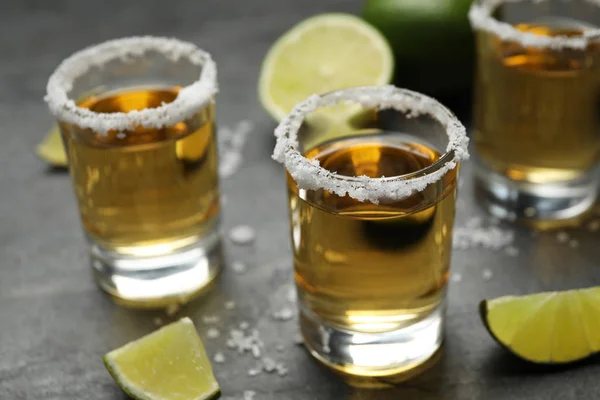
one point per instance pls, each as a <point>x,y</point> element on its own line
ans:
<point>372,201</point>
<point>537,129</point>
<point>138,123</point>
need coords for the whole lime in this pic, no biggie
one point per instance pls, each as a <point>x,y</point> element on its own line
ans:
<point>432,42</point>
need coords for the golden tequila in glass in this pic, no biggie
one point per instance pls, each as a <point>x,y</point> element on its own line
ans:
<point>373,267</point>
<point>147,189</point>
<point>537,127</point>
<point>371,214</point>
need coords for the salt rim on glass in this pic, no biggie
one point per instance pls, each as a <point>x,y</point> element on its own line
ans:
<point>481,17</point>
<point>188,101</point>
<point>309,175</point>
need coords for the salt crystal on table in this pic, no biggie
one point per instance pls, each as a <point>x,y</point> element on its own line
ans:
<point>210,319</point>
<point>562,237</point>
<point>269,365</point>
<point>219,358</point>
<point>249,394</point>
<point>281,370</point>
<point>593,226</point>
<point>487,274</point>
<point>238,267</point>
<point>172,309</point>
<point>229,305</point>
<point>213,333</point>
<point>242,235</point>
<point>285,314</point>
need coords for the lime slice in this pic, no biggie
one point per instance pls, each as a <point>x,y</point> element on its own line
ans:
<point>548,328</point>
<point>51,149</point>
<point>321,54</point>
<point>169,364</point>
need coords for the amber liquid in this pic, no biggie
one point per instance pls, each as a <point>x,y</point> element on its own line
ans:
<point>537,110</point>
<point>367,267</point>
<point>145,191</point>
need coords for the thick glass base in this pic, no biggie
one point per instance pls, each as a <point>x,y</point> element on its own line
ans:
<point>548,204</point>
<point>394,353</point>
<point>159,280</point>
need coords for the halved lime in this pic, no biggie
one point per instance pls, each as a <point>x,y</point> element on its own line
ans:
<point>432,42</point>
<point>51,149</point>
<point>321,54</point>
<point>548,328</point>
<point>169,364</point>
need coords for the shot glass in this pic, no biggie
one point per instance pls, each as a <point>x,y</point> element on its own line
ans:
<point>372,200</point>
<point>537,129</point>
<point>137,120</point>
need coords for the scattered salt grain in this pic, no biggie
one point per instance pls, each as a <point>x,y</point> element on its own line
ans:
<point>474,234</point>
<point>243,343</point>
<point>253,371</point>
<point>172,309</point>
<point>231,144</point>
<point>244,325</point>
<point>213,333</point>
<point>229,305</point>
<point>242,235</point>
<point>249,394</point>
<point>594,226</point>
<point>279,348</point>
<point>512,251</point>
<point>573,243</point>
<point>456,277</point>
<point>238,267</point>
<point>487,274</point>
<point>255,351</point>
<point>562,237</point>
<point>285,314</point>
<point>281,370</point>
<point>291,294</point>
<point>219,358</point>
<point>210,319</point>
<point>269,365</point>
<point>158,321</point>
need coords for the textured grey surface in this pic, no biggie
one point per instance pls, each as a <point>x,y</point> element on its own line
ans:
<point>55,325</point>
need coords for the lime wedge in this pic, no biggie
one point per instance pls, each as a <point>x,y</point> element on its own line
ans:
<point>548,328</point>
<point>51,149</point>
<point>169,364</point>
<point>321,54</point>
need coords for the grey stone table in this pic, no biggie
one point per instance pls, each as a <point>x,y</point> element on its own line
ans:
<point>55,324</point>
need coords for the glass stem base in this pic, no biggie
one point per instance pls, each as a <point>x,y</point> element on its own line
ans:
<point>535,202</point>
<point>159,280</point>
<point>393,353</point>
